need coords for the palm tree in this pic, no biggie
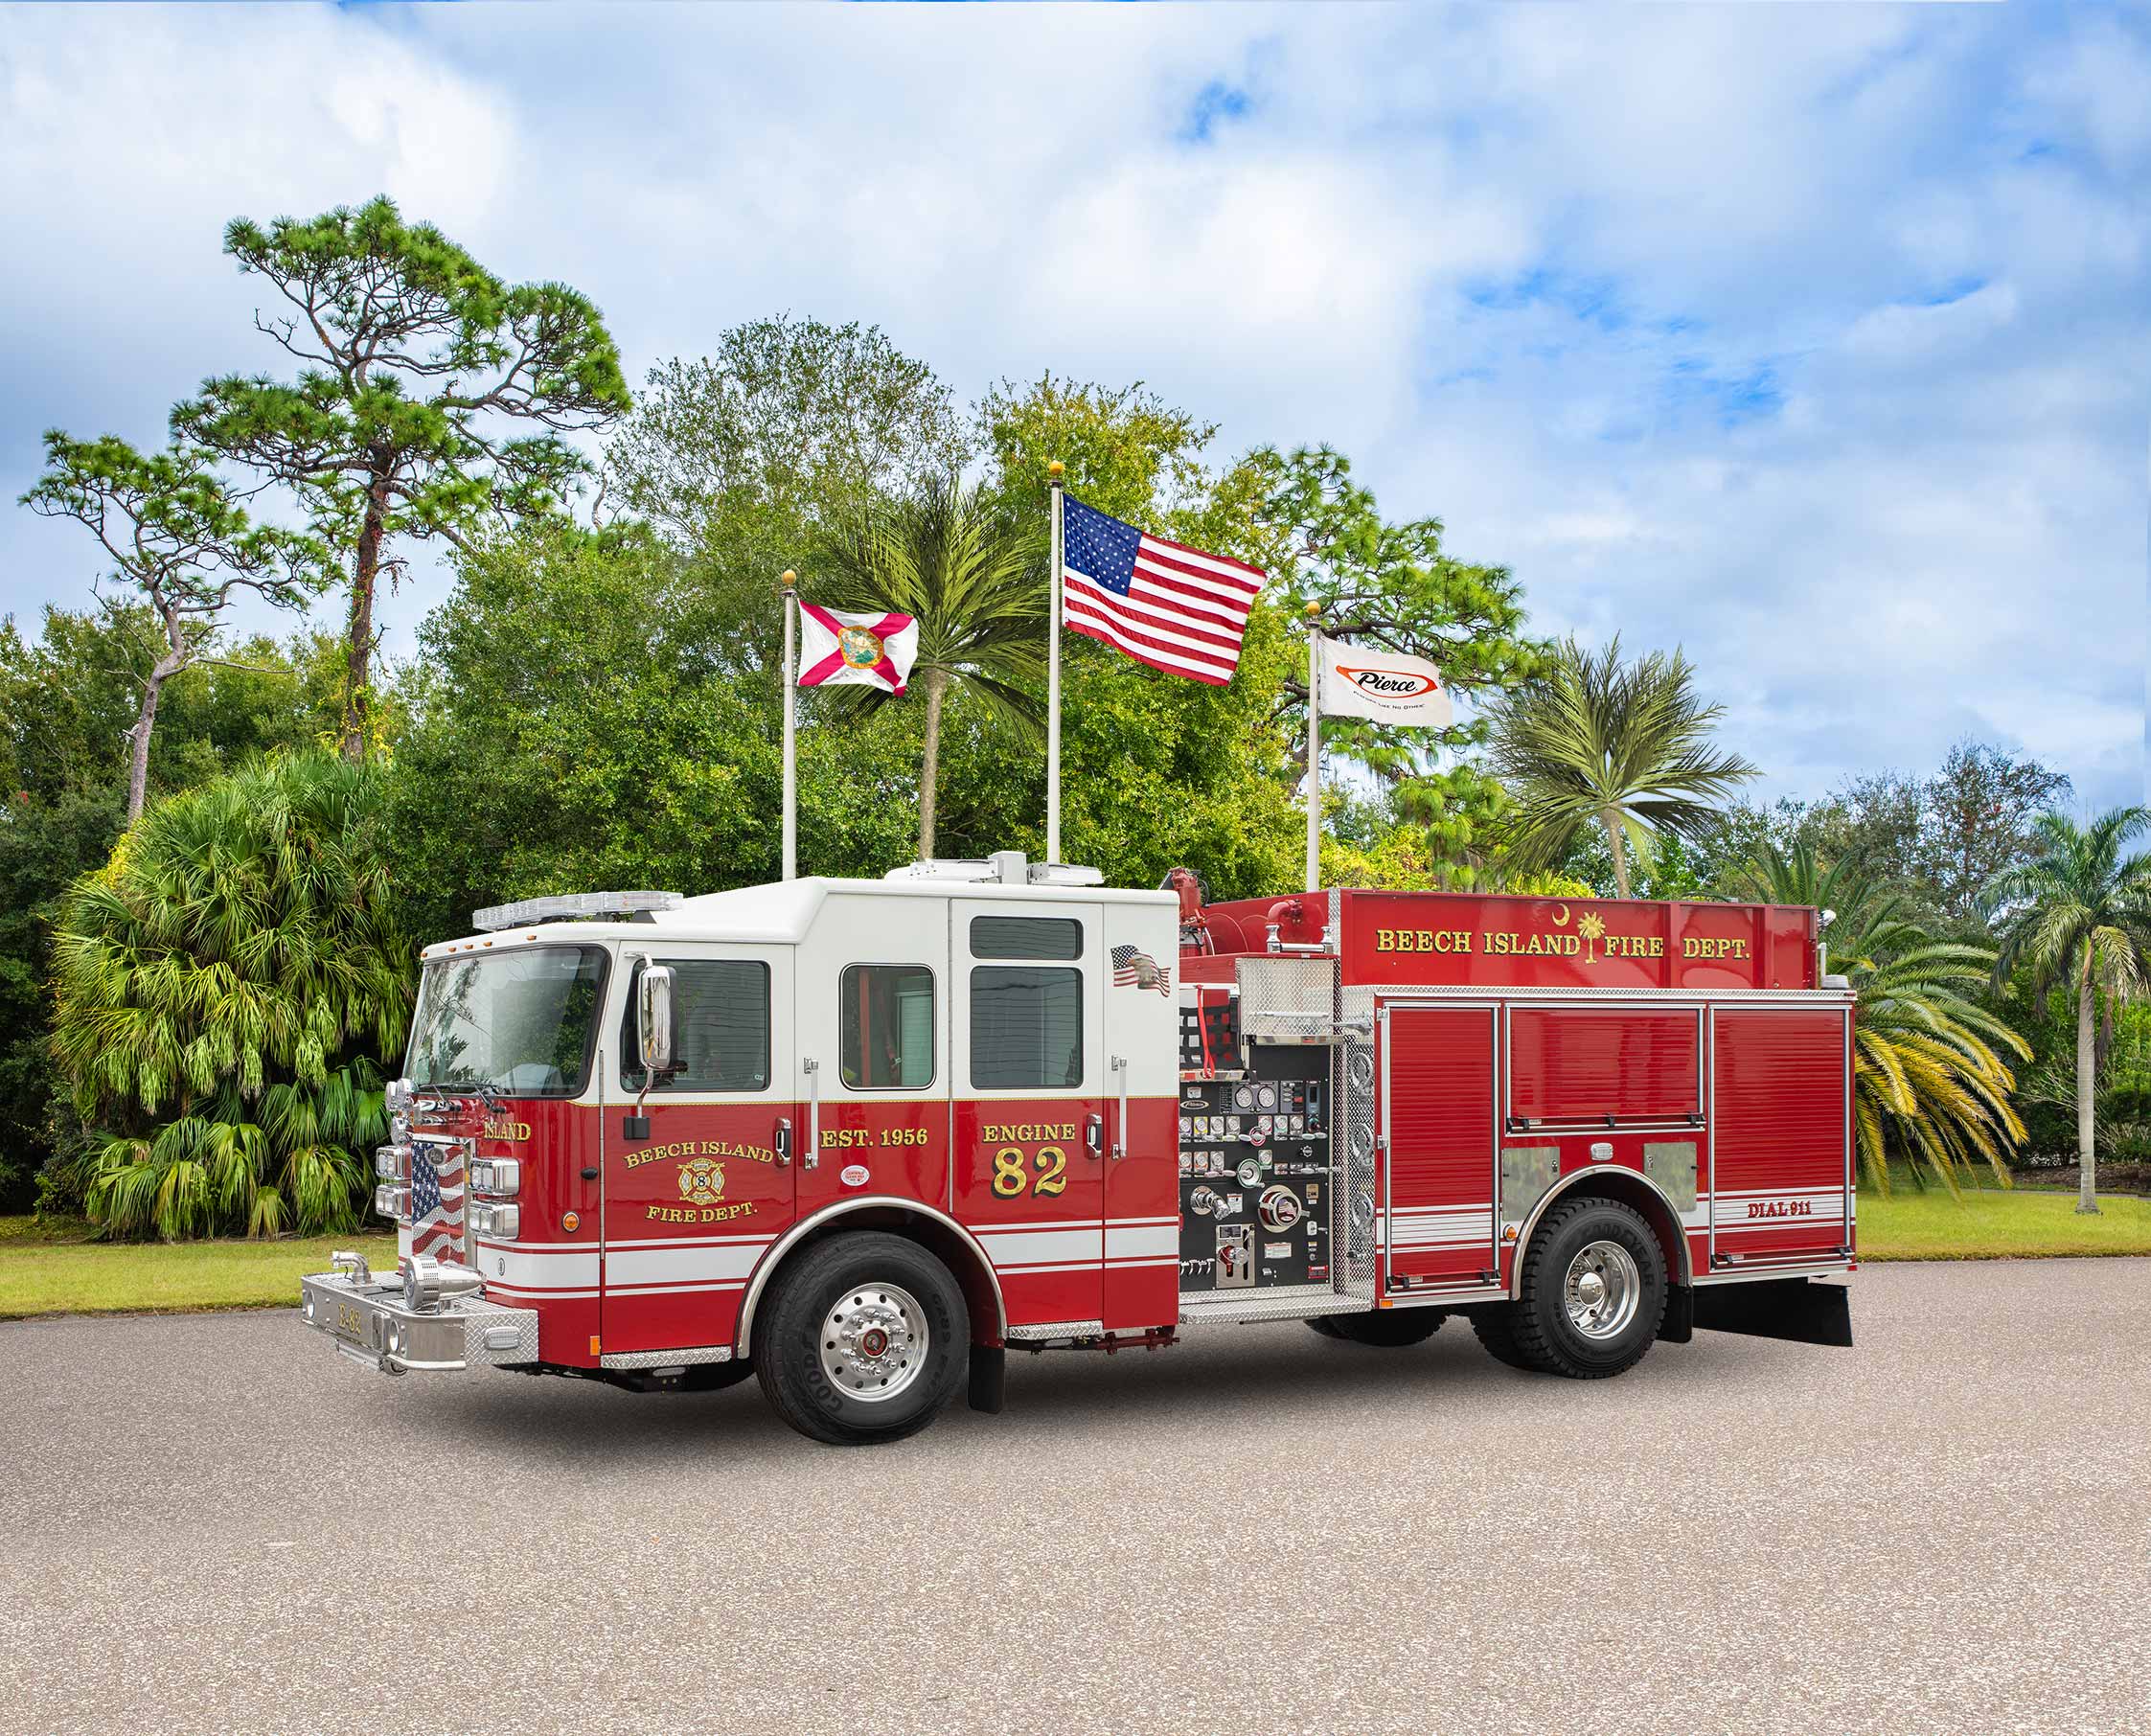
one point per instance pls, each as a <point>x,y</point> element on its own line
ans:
<point>1625,747</point>
<point>2080,914</point>
<point>1928,1079</point>
<point>222,989</point>
<point>978,592</point>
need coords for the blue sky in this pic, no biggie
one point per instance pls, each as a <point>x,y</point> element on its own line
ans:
<point>1816,341</point>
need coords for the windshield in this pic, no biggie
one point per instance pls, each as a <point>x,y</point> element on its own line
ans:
<point>521,1021</point>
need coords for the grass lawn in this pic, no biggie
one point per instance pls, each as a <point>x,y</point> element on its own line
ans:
<point>49,1272</point>
<point>49,1269</point>
<point>1991,1223</point>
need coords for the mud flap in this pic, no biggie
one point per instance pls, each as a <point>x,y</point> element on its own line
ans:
<point>1799,1310</point>
<point>1677,1326</point>
<point>989,1367</point>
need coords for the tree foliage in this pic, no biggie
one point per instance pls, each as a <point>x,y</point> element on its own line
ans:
<point>1930,1084</point>
<point>2078,916</point>
<point>1393,585</point>
<point>750,460</point>
<point>180,543</point>
<point>1623,746</point>
<point>570,729</point>
<point>224,990</point>
<point>417,367</point>
<point>977,590</point>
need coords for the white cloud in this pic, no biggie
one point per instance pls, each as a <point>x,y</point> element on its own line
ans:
<point>1814,341</point>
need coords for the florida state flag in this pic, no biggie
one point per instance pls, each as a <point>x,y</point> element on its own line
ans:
<point>836,646</point>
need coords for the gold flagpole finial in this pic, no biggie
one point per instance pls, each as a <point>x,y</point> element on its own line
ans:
<point>1313,609</point>
<point>1055,468</point>
<point>789,579</point>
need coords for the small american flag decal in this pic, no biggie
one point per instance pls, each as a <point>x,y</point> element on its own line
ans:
<point>1134,968</point>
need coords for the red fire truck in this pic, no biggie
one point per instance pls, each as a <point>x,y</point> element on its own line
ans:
<point>861,1137</point>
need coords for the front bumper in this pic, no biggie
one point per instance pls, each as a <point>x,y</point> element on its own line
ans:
<point>368,1322</point>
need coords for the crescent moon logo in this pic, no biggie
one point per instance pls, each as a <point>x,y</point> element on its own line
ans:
<point>1562,921</point>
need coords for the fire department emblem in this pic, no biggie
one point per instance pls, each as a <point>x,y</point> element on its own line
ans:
<point>701,1181</point>
<point>860,647</point>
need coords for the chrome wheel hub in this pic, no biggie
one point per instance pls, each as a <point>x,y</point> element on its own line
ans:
<point>874,1341</point>
<point>1603,1291</point>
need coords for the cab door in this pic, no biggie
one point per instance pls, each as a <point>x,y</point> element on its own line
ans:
<point>1028,1017</point>
<point>698,1178</point>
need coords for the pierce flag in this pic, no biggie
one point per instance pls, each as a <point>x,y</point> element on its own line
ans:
<point>1385,686</point>
<point>839,647</point>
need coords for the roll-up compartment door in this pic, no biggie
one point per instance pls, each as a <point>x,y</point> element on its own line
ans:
<point>1780,1133</point>
<point>1437,1119</point>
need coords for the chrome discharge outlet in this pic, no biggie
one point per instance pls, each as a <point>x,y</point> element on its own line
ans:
<point>428,1281</point>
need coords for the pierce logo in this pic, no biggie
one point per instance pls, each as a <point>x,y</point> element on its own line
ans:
<point>1390,683</point>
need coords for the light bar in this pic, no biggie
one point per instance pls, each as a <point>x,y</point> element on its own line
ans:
<point>570,907</point>
<point>1005,867</point>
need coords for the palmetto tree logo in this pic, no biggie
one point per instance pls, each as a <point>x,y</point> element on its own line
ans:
<point>1592,928</point>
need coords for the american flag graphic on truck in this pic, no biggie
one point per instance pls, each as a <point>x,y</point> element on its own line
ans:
<point>1134,968</point>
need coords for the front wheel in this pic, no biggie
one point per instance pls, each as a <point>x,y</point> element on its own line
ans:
<point>864,1339</point>
<point>1592,1295</point>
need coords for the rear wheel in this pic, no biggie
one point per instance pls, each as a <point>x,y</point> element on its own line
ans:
<point>1591,1297</point>
<point>864,1339</point>
<point>1387,1328</point>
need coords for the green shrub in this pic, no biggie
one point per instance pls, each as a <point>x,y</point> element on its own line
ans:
<point>223,988</point>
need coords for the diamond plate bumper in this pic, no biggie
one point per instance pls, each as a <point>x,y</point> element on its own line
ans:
<point>368,1323</point>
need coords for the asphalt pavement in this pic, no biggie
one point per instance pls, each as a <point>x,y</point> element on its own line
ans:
<point>214,1523</point>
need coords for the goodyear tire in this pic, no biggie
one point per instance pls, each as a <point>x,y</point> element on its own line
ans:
<point>1591,1296</point>
<point>864,1338</point>
<point>1387,1328</point>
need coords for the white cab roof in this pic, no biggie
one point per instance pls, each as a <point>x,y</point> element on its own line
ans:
<point>783,911</point>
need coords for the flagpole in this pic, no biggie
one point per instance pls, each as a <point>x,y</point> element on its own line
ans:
<point>790,582</point>
<point>1314,748</point>
<point>1053,681</point>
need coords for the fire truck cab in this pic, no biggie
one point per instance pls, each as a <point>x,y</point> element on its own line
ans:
<point>859,1138</point>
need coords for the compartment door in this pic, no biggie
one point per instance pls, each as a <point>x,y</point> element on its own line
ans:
<point>1780,1134</point>
<point>1434,1120</point>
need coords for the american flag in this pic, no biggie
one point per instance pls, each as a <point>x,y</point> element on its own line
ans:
<point>1163,603</point>
<point>437,1200</point>
<point>1134,968</point>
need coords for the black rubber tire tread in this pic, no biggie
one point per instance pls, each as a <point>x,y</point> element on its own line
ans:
<point>1326,1325</point>
<point>787,1356</point>
<point>1540,1323</point>
<point>1495,1330</point>
<point>1388,1328</point>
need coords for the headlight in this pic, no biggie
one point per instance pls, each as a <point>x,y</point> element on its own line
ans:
<point>498,1222</point>
<point>501,1175</point>
<point>393,1162</point>
<point>392,1201</point>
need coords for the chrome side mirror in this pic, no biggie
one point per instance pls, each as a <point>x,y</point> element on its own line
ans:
<point>653,1018</point>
